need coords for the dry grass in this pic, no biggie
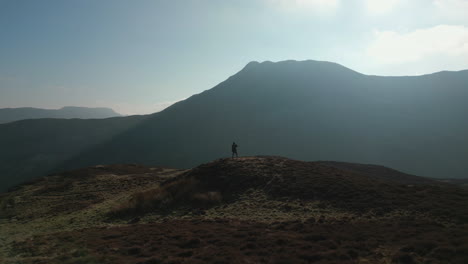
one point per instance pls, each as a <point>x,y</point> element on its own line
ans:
<point>255,210</point>
<point>183,191</point>
<point>40,208</point>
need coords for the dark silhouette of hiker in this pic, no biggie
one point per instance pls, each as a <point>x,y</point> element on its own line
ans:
<point>234,149</point>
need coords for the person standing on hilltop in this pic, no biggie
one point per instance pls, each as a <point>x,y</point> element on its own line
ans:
<point>234,149</point>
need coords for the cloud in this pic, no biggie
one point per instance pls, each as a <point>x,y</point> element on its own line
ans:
<point>452,9</point>
<point>390,47</point>
<point>380,7</point>
<point>316,6</point>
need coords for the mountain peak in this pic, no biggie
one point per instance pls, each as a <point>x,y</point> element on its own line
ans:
<point>296,65</point>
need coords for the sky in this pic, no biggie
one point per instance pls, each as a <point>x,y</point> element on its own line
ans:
<point>140,56</point>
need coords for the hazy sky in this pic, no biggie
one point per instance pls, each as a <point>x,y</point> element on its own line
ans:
<point>138,56</point>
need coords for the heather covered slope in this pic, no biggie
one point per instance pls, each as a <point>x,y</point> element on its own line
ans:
<point>379,172</point>
<point>244,210</point>
<point>349,190</point>
<point>309,110</point>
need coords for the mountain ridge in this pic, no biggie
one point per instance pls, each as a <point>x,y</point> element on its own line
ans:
<point>310,61</point>
<point>67,112</point>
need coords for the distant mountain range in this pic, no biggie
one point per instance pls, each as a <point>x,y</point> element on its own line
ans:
<point>307,110</point>
<point>15,114</point>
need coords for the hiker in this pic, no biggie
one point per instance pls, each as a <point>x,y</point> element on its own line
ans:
<point>234,149</point>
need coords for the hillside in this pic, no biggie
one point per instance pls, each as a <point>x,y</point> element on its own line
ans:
<point>15,114</point>
<point>245,210</point>
<point>32,148</point>
<point>307,110</point>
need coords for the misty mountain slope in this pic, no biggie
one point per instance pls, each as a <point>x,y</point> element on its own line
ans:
<point>308,110</point>
<point>15,114</point>
<point>32,148</point>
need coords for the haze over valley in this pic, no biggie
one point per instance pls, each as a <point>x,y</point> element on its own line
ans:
<point>15,114</point>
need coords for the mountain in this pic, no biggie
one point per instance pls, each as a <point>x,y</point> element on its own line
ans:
<point>15,114</point>
<point>309,110</point>
<point>260,209</point>
<point>306,110</point>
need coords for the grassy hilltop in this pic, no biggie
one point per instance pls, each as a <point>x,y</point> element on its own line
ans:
<point>243,210</point>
